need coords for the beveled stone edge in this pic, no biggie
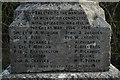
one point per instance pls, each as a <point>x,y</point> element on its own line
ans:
<point>112,73</point>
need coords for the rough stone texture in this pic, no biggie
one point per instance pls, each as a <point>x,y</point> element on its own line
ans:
<point>112,74</point>
<point>70,47</point>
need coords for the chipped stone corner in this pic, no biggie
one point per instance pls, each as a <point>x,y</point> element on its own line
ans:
<point>93,11</point>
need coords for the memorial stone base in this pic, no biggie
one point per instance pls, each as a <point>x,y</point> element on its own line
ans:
<point>112,74</point>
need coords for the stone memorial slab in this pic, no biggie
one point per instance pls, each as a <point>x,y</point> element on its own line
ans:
<point>66,37</point>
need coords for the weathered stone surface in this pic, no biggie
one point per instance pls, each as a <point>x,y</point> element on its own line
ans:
<point>59,37</point>
<point>112,74</point>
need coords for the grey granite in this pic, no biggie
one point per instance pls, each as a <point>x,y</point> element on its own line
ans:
<point>59,37</point>
<point>112,74</point>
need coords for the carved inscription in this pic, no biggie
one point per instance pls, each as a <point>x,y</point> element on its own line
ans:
<point>58,40</point>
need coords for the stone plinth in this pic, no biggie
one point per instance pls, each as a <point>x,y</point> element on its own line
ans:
<point>112,74</point>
